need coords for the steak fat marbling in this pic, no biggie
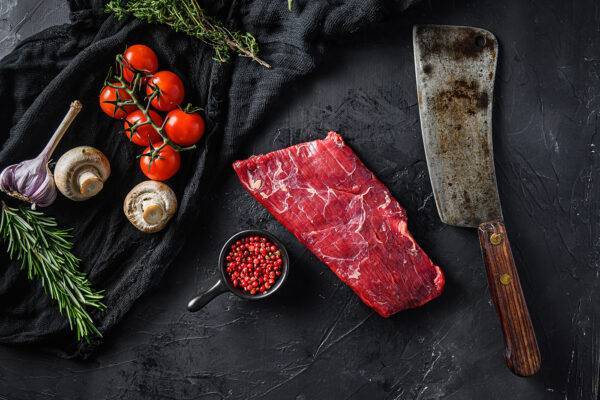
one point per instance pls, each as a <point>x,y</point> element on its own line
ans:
<point>322,193</point>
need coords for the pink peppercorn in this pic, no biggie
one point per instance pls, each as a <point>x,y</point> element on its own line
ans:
<point>254,264</point>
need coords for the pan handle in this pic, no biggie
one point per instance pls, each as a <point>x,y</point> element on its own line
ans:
<point>203,299</point>
<point>522,353</point>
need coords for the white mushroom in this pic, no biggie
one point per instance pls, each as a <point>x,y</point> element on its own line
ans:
<point>81,172</point>
<point>150,205</point>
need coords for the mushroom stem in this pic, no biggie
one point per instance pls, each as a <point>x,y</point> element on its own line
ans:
<point>153,213</point>
<point>89,182</point>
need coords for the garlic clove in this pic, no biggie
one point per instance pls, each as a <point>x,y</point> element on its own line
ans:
<point>81,172</point>
<point>150,205</point>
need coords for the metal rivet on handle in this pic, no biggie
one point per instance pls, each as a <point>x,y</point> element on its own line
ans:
<point>496,239</point>
<point>505,279</point>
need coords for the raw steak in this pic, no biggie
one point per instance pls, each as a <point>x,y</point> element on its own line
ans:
<point>324,195</point>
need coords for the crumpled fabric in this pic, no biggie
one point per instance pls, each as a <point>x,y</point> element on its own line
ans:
<point>41,77</point>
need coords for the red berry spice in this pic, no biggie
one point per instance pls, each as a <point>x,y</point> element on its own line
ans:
<point>254,264</point>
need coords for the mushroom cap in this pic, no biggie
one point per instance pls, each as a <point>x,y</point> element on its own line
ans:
<point>150,205</point>
<point>80,173</point>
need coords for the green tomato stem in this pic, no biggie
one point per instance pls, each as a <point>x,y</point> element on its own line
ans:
<point>145,110</point>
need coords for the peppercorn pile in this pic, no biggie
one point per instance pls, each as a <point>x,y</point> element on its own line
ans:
<point>254,264</point>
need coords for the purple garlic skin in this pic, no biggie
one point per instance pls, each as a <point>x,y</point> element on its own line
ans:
<point>30,181</point>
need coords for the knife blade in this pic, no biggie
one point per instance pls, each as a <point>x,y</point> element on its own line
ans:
<point>455,69</point>
<point>455,81</point>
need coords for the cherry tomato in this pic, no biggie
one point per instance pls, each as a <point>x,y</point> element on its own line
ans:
<point>144,134</point>
<point>170,90</point>
<point>108,96</point>
<point>139,58</point>
<point>161,168</point>
<point>183,128</point>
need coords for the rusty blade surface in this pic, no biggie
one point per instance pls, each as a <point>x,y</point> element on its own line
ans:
<point>455,68</point>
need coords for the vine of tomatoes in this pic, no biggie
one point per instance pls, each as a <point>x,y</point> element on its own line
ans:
<point>163,137</point>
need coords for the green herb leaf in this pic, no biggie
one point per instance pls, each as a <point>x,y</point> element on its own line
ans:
<point>44,252</point>
<point>187,16</point>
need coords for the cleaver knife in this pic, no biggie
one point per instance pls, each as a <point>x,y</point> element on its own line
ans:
<point>455,69</point>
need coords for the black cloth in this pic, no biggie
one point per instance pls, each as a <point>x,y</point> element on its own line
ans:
<point>46,72</point>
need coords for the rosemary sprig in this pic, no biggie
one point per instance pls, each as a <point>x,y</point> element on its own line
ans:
<point>44,252</point>
<point>187,16</point>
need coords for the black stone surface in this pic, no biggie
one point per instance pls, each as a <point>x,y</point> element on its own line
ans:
<point>22,18</point>
<point>315,339</point>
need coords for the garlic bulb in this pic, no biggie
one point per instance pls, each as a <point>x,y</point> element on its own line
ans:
<point>31,180</point>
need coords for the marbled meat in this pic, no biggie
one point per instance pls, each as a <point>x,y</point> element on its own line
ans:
<point>322,193</point>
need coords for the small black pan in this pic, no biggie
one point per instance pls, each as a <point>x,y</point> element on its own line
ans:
<point>224,284</point>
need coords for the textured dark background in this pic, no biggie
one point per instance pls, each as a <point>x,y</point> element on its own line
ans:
<point>316,340</point>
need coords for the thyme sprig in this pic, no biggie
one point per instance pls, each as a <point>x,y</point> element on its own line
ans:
<point>44,252</point>
<point>187,16</point>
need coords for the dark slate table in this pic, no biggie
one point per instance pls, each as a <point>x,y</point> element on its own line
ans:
<point>316,340</point>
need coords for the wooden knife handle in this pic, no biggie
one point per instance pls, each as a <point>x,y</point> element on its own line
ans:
<point>522,353</point>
